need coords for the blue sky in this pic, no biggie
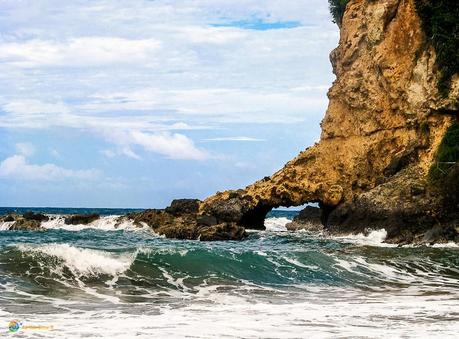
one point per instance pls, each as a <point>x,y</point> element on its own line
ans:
<point>134,103</point>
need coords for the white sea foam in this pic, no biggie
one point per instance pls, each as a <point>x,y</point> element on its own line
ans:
<point>5,225</point>
<point>105,223</point>
<point>276,224</point>
<point>211,314</point>
<point>83,261</point>
<point>374,238</point>
<point>446,245</point>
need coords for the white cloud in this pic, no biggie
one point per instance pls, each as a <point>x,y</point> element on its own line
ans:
<point>108,153</point>
<point>139,71</point>
<point>219,105</point>
<point>54,153</point>
<point>211,35</point>
<point>33,106</point>
<point>17,167</point>
<point>249,139</point>
<point>172,145</point>
<point>76,52</point>
<point>25,149</point>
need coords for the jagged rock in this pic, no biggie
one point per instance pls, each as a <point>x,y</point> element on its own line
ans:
<point>181,221</point>
<point>229,210</point>
<point>392,206</point>
<point>183,206</point>
<point>207,220</point>
<point>35,216</point>
<point>9,217</point>
<point>224,231</point>
<point>308,219</point>
<point>81,219</point>
<point>188,226</point>
<point>179,228</point>
<point>440,234</point>
<point>25,225</point>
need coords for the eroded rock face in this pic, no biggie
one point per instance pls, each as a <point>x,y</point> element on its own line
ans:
<point>22,224</point>
<point>383,117</point>
<point>183,206</point>
<point>182,221</point>
<point>309,219</point>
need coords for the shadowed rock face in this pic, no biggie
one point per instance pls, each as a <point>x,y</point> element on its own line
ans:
<point>383,118</point>
<point>182,221</point>
<point>81,219</point>
<point>26,225</point>
<point>309,219</point>
<point>35,216</point>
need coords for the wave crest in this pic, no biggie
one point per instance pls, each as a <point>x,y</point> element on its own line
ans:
<point>81,261</point>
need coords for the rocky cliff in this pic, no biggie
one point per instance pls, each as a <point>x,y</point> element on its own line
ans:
<point>386,121</point>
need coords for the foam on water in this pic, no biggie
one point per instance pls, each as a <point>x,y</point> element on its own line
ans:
<point>373,238</point>
<point>276,224</point>
<point>105,223</point>
<point>374,315</point>
<point>446,245</point>
<point>5,225</point>
<point>81,261</point>
<point>275,284</point>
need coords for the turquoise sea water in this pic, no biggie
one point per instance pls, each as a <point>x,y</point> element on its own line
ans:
<point>98,281</point>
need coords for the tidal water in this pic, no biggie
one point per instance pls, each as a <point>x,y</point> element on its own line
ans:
<point>102,281</point>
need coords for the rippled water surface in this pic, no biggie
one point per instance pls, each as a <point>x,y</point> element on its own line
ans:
<point>105,282</point>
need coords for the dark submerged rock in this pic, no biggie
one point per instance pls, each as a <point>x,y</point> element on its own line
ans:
<point>308,219</point>
<point>81,219</point>
<point>183,206</point>
<point>224,231</point>
<point>182,221</point>
<point>35,216</point>
<point>25,225</point>
<point>9,218</point>
<point>406,207</point>
<point>207,220</point>
<point>230,210</point>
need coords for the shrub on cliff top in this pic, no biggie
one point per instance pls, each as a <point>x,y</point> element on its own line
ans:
<point>337,8</point>
<point>440,22</point>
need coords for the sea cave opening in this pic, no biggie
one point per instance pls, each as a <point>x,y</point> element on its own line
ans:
<point>255,218</point>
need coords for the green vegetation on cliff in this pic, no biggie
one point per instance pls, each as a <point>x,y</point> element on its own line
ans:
<point>440,22</point>
<point>337,8</point>
<point>447,154</point>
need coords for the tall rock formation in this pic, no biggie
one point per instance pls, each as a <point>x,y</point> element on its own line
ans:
<point>385,122</point>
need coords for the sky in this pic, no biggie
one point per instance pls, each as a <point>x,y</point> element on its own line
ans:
<point>109,103</point>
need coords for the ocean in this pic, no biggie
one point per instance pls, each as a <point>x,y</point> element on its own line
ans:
<point>106,281</point>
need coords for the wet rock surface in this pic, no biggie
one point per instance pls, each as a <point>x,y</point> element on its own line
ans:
<point>35,216</point>
<point>81,219</point>
<point>309,219</point>
<point>182,220</point>
<point>22,224</point>
<point>406,207</point>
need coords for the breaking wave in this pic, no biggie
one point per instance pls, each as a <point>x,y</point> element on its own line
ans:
<point>106,279</point>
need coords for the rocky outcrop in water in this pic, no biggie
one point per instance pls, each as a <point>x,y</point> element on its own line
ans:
<point>28,222</point>
<point>181,221</point>
<point>81,219</point>
<point>381,135</point>
<point>309,219</point>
